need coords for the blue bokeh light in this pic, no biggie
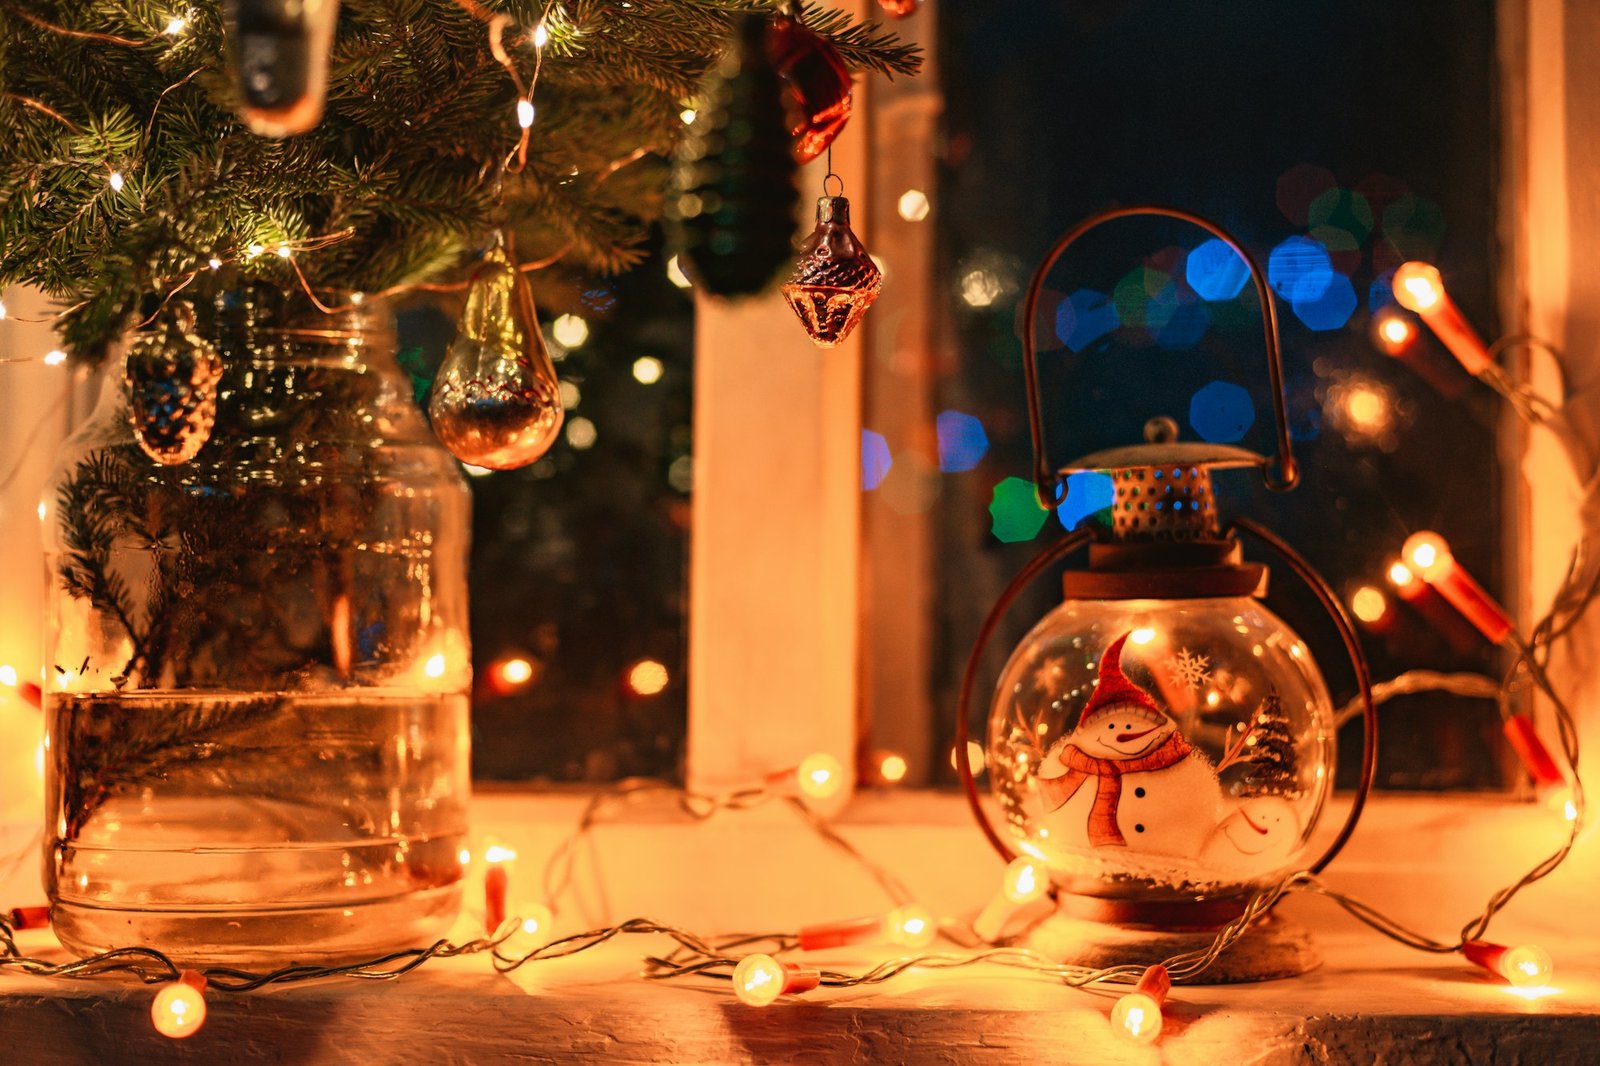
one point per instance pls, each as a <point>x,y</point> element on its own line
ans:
<point>1215,271</point>
<point>1331,308</point>
<point>962,441</point>
<point>875,459</point>
<point>1085,317</point>
<point>1222,412</point>
<point>1381,294</point>
<point>1299,269</point>
<point>1088,492</point>
<point>1182,319</point>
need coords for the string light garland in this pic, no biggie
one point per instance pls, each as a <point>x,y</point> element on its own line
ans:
<point>755,965</point>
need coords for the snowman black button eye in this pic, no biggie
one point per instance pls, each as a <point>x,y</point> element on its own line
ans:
<point>1138,829</point>
<point>1113,725</point>
<point>1139,792</point>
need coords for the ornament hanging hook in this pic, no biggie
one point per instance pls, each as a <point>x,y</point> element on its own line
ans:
<point>1281,473</point>
<point>830,175</point>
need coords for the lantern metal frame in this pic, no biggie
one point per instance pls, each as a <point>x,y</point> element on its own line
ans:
<point>1280,473</point>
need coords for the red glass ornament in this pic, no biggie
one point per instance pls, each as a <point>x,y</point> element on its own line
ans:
<point>817,83</point>
<point>899,8</point>
<point>835,279</point>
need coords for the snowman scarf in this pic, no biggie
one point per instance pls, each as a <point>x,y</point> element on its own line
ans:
<point>1107,773</point>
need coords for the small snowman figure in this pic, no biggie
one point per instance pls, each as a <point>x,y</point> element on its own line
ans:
<point>1254,837</point>
<point>1125,777</point>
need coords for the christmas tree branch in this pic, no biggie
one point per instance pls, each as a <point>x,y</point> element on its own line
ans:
<point>124,171</point>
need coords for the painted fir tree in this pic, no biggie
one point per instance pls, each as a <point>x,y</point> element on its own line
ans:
<point>1269,752</point>
<point>124,173</point>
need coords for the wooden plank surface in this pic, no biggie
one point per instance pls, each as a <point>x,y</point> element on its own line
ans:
<point>1370,1002</point>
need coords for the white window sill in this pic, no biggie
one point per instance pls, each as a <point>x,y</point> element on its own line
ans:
<point>1428,862</point>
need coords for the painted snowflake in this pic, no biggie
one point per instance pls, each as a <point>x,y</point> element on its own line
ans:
<point>1188,669</point>
<point>1048,675</point>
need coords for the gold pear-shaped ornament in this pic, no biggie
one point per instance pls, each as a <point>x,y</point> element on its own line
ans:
<point>496,402</point>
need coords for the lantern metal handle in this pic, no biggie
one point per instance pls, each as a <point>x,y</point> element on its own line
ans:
<point>1073,541</point>
<point>1047,480</point>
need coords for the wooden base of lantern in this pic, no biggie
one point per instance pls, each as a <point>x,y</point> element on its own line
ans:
<point>1272,948</point>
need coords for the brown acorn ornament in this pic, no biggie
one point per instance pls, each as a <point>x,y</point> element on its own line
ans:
<point>835,279</point>
<point>172,376</point>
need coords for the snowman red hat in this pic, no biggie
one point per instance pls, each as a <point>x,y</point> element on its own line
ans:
<point>1114,693</point>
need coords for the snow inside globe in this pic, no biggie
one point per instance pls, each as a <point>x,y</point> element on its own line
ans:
<point>1150,749</point>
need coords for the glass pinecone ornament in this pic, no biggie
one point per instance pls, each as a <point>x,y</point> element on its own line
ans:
<point>172,375</point>
<point>496,401</point>
<point>818,85</point>
<point>835,279</point>
<point>280,61</point>
<point>733,210</point>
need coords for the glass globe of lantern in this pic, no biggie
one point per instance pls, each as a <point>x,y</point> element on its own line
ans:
<point>1222,676</point>
<point>1161,742</point>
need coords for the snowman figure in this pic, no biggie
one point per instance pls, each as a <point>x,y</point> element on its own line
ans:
<point>1125,777</point>
<point>1255,836</point>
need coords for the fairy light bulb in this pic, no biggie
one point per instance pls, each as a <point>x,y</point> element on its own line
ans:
<point>175,26</point>
<point>179,1010</point>
<point>1563,801</point>
<point>1427,554</point>
<point>1368,604</point>
<point>759,980</point>
<point>541,35</point>
<point>1137,1015</point>
<point>496,883</point>
<point>524,113</point>
<point>820,776</point>
<point>571,331</point>
<point>116,181</point>
<point>1395,333</point>
<point>911,926</point>
<point>512,673</point>
<point>537,920</point>
<point>1024,882</point>
<point>1523,966</point>
<point>892,767</point>
<point>1418,287</point>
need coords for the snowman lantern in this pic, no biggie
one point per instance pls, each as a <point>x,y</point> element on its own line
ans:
<point>1162,743</point>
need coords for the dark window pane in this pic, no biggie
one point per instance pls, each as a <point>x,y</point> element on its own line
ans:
<point>1336,141</point>
<point>579,562</point>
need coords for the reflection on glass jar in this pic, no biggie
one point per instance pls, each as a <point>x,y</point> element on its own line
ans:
<point>258,724</point>
<point>1161,749</point>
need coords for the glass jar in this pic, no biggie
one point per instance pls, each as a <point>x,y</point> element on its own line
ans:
<point>1162,750</point>
<point>258,717</point>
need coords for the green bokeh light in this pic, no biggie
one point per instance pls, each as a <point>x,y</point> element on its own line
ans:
<point>1015,512</point>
